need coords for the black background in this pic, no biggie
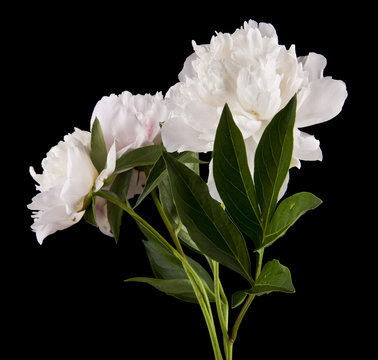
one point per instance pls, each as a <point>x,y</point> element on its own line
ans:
<point>67,297</point>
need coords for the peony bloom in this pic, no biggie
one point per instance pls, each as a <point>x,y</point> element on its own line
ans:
<point>256,77</point>
<point>131,121</point>
<point>68,178</point>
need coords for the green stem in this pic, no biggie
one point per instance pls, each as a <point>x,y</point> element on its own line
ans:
<point>249,300</point>
<point>196,281</point>
<point>222,310</point>
<point>167,223</point>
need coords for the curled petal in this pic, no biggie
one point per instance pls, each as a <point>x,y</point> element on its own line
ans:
<point>80,179</point>
<point>322,100</point>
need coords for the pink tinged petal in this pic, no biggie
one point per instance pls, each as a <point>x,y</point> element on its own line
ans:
<point>109,169</point>
<point>322,100</point>
<point>137,182</point>
<point>178,136</point>
<point>81,175</point>
<point>102,216</point>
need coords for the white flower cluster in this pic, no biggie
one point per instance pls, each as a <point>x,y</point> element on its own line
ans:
<point>248,70</point>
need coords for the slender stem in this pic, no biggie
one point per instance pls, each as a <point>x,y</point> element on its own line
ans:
<point>167,223</point>
<point>222,309</point>
<point>218,302</point>
<point>197,283</point>
<point>249,300</point>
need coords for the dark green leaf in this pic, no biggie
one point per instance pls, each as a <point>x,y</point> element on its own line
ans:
<point>179,288</point>
<point>119,187</point>
<point>166,200</point>
<point>237,298</point>
<point>98,151</point>
<point>167,266</point>
<point>273,277</point>
<point>208,224</point>
<point>144,156</point>
<point>287,213</point>
<point>233,178</point>
<point>159,172</point>
<point>272,159</point>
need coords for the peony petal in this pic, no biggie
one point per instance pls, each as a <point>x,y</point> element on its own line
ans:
<point>314,64</point>
<point>306,147</point>
<point>81,175</point>
<point>102,216</point>
<point>178,136</point>
<point>323,100</point>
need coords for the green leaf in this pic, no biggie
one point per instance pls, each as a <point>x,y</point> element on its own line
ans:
<point>179,288</point>
<point>144,156</point>
<point>287,213</point>
<point>208,224</point>
<point>273,277</point>
<point>272,159</point>
<point>159,172</point>
<point>233,178</point>
<point>166,200</point>
<point>167,266</point>
<point>98,152</point>
<point>119,187</point>
<point>237,298</point>
<point>90,212</point>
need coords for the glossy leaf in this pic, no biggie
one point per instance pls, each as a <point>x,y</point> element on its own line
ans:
<point>272,159</point>
<point>233,178</point>
<point>208,224</point>
<point>144,156</point>
<point>98,152</point>
<point>287,213</point>
<point>273,277</point>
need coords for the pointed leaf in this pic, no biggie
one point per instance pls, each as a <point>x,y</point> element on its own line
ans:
<point>166,200</point>
<point>273,277</point>
<point>159,172</point>
<point>208,224</point>
<point>98,152</point>
<point>144,156</point>
<point>287,213</point>
<point>179,288</point>
<point>233,178</point>
<point>272,158</point>
<point>165,265</point>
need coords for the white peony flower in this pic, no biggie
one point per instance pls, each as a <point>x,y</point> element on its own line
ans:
<point>256,77</point>
<point>131,121</point>
<point>68,177</point>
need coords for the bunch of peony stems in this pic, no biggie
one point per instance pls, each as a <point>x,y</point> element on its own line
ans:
<point>243,98</point>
